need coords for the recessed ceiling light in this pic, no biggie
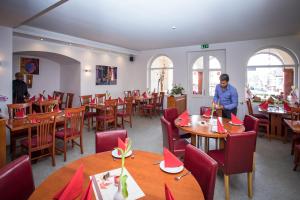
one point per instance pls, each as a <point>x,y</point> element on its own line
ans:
<point>173,27</point>
<point>70,44</point>
<point>41,39</point>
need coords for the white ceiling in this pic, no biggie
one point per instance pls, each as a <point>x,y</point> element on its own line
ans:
<point>142,25</point>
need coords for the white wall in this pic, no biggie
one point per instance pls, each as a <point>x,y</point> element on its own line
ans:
<point>48,78</point>
<point>237,55</point>
<point>70,81</point>
<point>87,59</point>
<point>5,66</point>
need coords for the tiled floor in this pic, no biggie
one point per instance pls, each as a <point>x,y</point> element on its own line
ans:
<point>273,178</point>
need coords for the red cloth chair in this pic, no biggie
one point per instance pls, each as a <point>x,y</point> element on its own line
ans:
<point>237,157</point>
<point>16,180</point>
<point>108,140</point>
<point>170,114</point>
<point>203,168</point>
<point>175,145</point>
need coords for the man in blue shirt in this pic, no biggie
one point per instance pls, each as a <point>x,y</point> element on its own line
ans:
<point>226,97</point>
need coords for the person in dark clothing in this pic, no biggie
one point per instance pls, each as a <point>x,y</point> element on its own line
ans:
<point>19,89</point>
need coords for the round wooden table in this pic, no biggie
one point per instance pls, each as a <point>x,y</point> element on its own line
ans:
<point>147,175</point>
<point>197,129</point>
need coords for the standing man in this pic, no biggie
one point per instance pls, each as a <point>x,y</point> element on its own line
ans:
<point>19,89</point>
<point>226,97</point>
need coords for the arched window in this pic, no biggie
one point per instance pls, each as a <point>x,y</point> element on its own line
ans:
<point>161,74</point>
<point>271,71</point>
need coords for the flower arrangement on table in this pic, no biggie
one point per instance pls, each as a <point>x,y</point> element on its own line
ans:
<point>123,151</point>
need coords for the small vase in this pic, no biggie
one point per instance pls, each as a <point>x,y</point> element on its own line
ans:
<point>118,195</point>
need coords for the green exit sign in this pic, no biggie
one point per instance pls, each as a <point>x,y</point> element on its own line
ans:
<point>204,46</point>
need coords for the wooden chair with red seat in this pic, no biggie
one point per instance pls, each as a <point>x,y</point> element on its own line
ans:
<point>175,145</point>
<point>48,105</point>
<point>203,168</point>
<point>44,139</point>
<point>15,135</point>
<point>108,116</point>
<point>263,120</point>
<point>126,113</point>
<point>59,96</point>
<point>73,128</point>
<point>295,116</point>
<point>149,109</point>
<point>127,93</point>
<point>297,156</point>
<point>136,103</point>
<point>100,98</point>
<point>236,158</point>
<point>69,101</point>
<point>89,114</point>
<point>160,103</point>
<point>16,179</point>
<point>108,140</point>
<point>171,114</point>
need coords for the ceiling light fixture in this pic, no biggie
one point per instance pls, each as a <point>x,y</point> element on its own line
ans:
<point>174,27</point>
<point>41,39</point>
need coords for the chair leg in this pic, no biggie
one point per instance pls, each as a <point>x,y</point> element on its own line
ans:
<point>122,122</point>
<point>296,160</point>
<point>53,155</point>
<point>253,168</point>
<point>250,184</point>
<point>130,121</point>
<point>81,145</point>
<point>226,183</point>
<point>293,147</point>
<point>268,132</point>
<point>88,123</point>
<point>65,151</point>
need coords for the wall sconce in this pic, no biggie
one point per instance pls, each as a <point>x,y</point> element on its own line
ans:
<point>87,70</point>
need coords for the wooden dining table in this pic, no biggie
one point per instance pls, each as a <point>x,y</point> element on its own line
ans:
<point>150,178</point>
<point>204,129</point>
<point>276,115</point>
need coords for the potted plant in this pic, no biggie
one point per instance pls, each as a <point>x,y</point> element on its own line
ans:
<point>177,90</point>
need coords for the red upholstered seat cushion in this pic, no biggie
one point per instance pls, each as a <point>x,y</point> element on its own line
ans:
<point>121,113</point>
<point>34,141</point>
<point>263,121</point>
<point>218,155</point>
<point>89,114</point>
<point>104,117</point>
<point>260,116</point>
<point>61,133</point>
<point>148,106</point>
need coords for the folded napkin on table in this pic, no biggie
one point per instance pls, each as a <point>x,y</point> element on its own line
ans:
<point>73,188</point>
<point>93,101</point>
<point>286,107</point>
<point>264,105</point>
<point>168,193</point>
<point>88,193</point>
<point>32,99</point>
<point>184,115</point>
<point>122,145</point>
<point>144,95</point>
<point>235,120</point>
<point>220,126</point>
<point>20,113</point>
<point>120,100</point>
<point>171,160</point>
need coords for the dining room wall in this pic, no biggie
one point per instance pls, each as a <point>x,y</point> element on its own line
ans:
<point>237,55</point>
<point>48,78</point>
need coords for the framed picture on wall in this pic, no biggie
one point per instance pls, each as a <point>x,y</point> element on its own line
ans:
<point>106,75</point>
<point>28,80</point>
<point>29,65</point>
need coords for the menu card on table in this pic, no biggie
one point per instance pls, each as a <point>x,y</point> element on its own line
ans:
<point>105,186</point>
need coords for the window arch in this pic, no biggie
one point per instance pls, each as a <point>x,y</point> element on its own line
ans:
<point>161,74</point>
<point>271,71</point>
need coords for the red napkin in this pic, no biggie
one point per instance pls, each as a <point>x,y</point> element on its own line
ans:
<point>41,98</point>
<point>49,97</point>
<point>207,113</point>
<point>20,113</point>
<point>32,99</point>
<point>121,145</point>
<point>88,193</point>
<point>171,160</point>
<point>184,115</point>
<point>235,120</point>
<point>67,114</point>
<point>120,100</point>
<point>184,122</point>
<point>264,105</point>
<point>221,128</point>
<point>93,101</point>
<point>286,107</point>
<point>144,95</point>
<point>72,189</point>
<point>168,193</point>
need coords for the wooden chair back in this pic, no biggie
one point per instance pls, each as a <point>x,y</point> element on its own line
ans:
<point>127,108</point>
<point>295,113</point>
<point>58,94</point>
<point>69,100</point>
<point>111,107</point>
<point>48,105</point>
<point>45,124</point>
<point>100,98</point>
<point>85,99</point>
<point>154,98</point>
<point>249,106</point>
<point>74,118</point>
<point>13,108</point>
<point>127,93</point>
